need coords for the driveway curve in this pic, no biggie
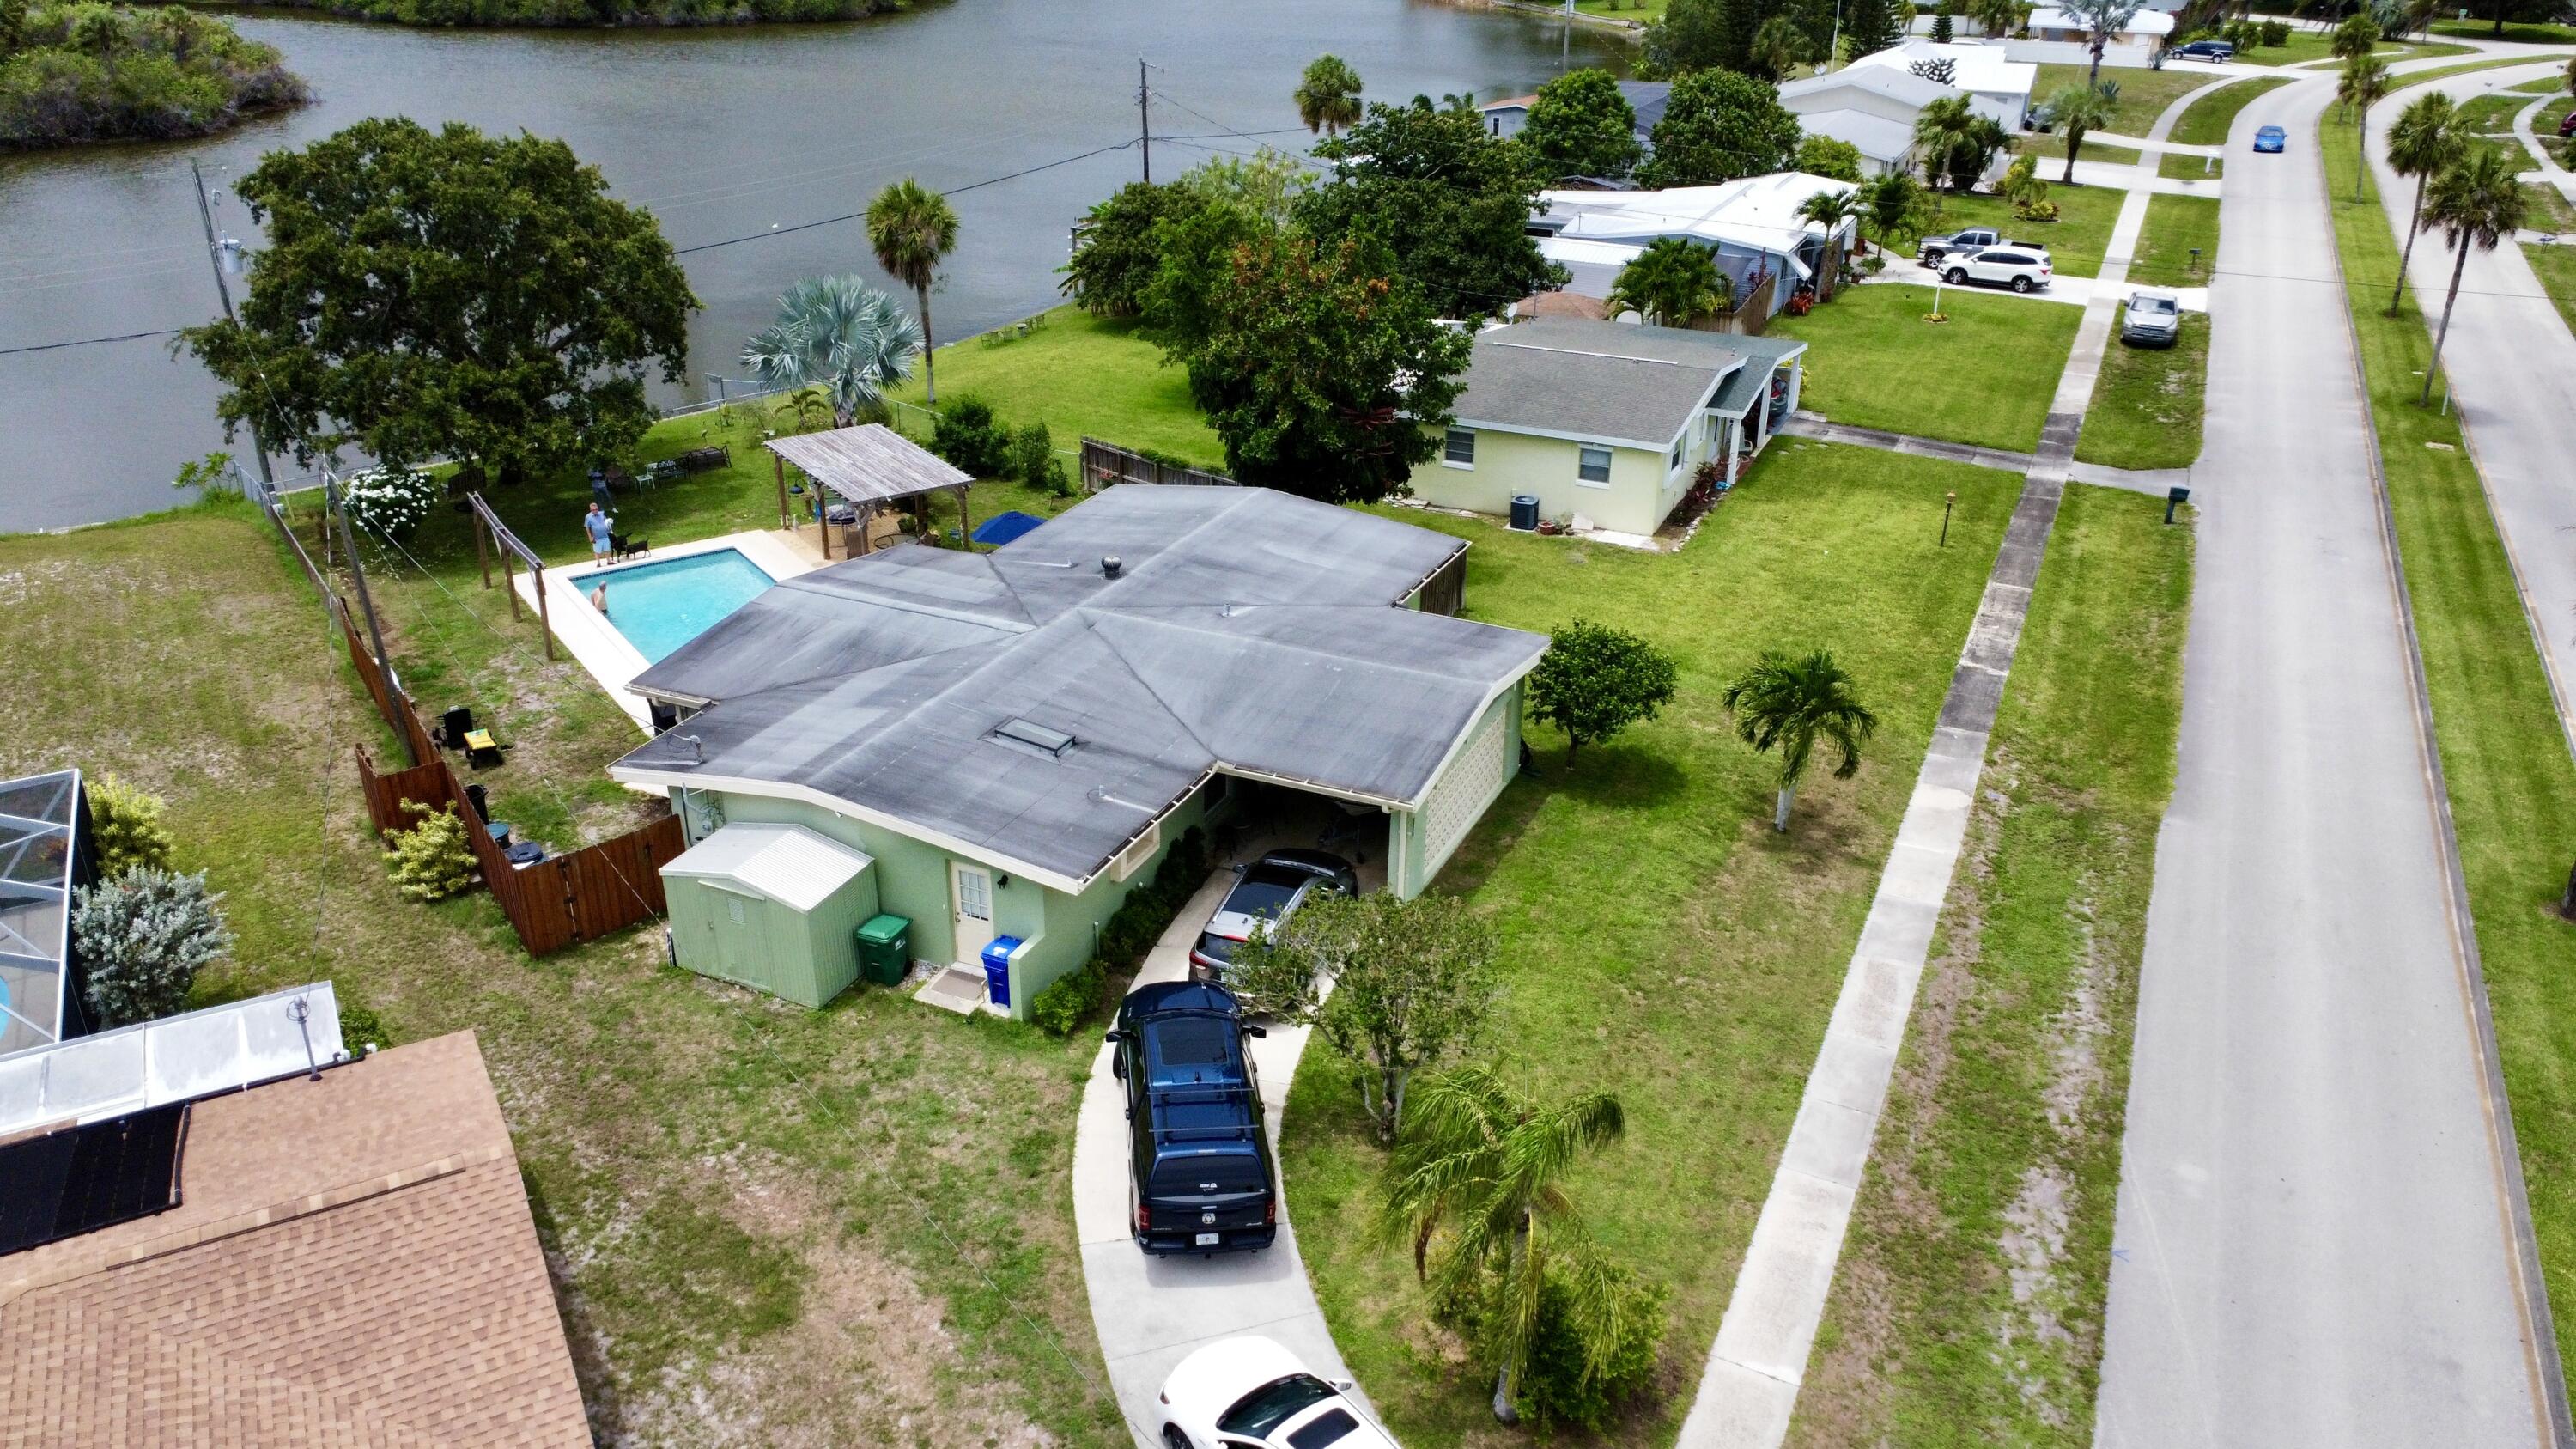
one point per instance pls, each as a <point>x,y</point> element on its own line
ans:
<point>1151,1312</point>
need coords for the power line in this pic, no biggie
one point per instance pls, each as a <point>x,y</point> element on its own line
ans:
<point>855,215</point>
<point>87,341</point>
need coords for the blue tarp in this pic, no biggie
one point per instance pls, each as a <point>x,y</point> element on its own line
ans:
<point>1001,528</point>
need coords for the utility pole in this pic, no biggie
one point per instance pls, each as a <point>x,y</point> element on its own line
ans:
<point>334,509</point>
<point>1144,122</point>
<point>1565,44</point>
<point>223,289</point>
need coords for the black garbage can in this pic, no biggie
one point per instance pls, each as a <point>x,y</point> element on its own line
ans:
<point>1525,512</point>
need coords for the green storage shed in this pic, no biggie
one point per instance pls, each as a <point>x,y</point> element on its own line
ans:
<point>772,907</point>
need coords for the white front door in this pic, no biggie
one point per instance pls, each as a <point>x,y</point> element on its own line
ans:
<point>972,888</point>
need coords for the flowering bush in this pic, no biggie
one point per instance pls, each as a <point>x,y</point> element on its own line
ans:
<point>389,502</point>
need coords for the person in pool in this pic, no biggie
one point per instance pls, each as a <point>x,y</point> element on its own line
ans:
<point>598,524</point>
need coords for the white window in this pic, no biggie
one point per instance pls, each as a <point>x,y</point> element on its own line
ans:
<point>1678,448</point>
<point>1592,465</point>
<point>1460,451</point>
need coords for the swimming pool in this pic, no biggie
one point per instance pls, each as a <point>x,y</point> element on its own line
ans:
<point>661,606</point>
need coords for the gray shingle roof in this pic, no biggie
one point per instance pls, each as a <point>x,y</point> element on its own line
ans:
<point>1246,629</point>
<point>1762,356</point>
<point>1609,380</point>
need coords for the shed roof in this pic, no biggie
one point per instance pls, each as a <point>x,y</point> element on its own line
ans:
<point>787,863</point>
<point>1876,137</point>
<point>1245,631</point>
<point>1610,381</point>
<point>868,463</point>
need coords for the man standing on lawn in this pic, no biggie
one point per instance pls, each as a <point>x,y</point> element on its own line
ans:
<point>598,524</point>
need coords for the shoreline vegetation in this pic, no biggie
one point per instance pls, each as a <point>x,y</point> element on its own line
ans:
<point>592,14</point>
<point>74,71</point>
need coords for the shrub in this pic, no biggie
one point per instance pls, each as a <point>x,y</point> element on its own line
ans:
<point>968,435</point>
<point>1061,1009</point>
<point>1141,919</point>
<point>2035,211</point>
<point>141,938</point>
<point>1572,1381</point>
<point>359,1025</point>
<point>125,825</point>
<point>1595,681</point>
<point>389,502</point>
<point>431,861</point>
<point>2276,33</point>
<point>1033,461</point>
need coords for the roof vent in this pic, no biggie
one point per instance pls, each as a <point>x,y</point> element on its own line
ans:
<point>1110,565</point>
<point>1035,736</point>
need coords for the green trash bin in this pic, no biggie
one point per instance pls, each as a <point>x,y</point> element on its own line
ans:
<point>885,950</point>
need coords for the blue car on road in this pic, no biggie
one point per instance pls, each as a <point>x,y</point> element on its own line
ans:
<point>2272,139</point>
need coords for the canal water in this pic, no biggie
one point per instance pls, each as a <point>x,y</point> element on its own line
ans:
<point>724,134</point>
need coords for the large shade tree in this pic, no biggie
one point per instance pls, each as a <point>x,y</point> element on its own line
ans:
<point>1328,95</point>
<point>841,335</point>
<point>1451,200</point>
<point>1719,125</point>
<point>1114,254</point>
<point>445,293</point>
<point>2477,203</point>
<point>1793,703</point>
<point>2426,139</point>
<point>1477,1187</point>
<point>1580,125</point>
<point>1323,369</point>
<point>1690,35</point>
<point>912,229</point>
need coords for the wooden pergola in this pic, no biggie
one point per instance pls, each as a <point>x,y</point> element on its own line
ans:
<point>866,467</point>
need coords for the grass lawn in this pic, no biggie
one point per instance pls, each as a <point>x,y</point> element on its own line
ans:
<point>2206,121</point>
<point>2051,151</point>
<point>1079,374</point>
<point>1637,12</point>
<point>2175,225</point>
<point>766,1225</point>
<point>2504,755</point>
<point>1951,1322</point>
<point>2075,241</point>
<point>1659,939</point>
<point>2146,405</point>
<point>1983,377</point>
<point>2144,94</point>
<point>2493,115</point>
<point>2525,34</point>
<point>2183,167</point>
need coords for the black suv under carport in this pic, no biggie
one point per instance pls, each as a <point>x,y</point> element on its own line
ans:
<point>1199,1169</point>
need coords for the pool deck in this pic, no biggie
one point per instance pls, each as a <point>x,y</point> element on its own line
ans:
<point>597,645</point>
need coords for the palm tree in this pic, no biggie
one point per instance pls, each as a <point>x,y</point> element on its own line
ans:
<point>1481,1164</point>
<point>2358,36</point>
<point>2363,82</point>
<point>1830,209</point>
<point>912,228</point>
<point>2424,140</point>
<point>1941,129</point>
<point>2075,110</point>
<point>1778,47</point>
<point>2102,20</point>
<point>1893,205</point>
<point>1672,283</point>
<point>1793,703</point>
<point>1998,18</point>
<point>1328,95</point>
<point>2477,202</point>
<point>838,334</point>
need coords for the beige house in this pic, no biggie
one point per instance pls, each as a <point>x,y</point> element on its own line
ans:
<point>1607,423</point>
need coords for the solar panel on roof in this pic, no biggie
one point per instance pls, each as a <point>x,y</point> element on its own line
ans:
<point>81,1179</point>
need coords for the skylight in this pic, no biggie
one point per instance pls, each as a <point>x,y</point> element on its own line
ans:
<point>1035,736</point>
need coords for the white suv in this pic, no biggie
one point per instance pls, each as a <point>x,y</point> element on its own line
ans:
<point>2024,269</point>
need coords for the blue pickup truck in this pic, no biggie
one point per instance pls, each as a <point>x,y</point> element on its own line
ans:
<point>1200,1174</point>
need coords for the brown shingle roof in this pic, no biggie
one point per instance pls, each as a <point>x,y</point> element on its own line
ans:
<point>353,1264</point>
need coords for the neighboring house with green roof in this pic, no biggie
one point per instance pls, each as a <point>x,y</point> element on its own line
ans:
<point>1607,422</point>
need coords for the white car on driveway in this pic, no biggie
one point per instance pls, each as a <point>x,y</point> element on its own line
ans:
<point>2024,269</point>
<point>1250,1393</point>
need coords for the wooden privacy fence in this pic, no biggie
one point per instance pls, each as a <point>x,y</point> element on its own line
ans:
<point>590,893</point>
<point>1107,463</point>
<point>552,904</point>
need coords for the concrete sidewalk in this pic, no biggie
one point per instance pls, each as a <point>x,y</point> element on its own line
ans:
<point>2151,481</point>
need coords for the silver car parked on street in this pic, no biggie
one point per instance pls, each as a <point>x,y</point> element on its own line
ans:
<point>2152,318</point>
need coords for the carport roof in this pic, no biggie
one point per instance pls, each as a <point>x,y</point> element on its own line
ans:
<point>1245,631</point>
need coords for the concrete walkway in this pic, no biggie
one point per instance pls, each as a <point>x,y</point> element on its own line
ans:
<point>2511,366</point>
<point>2151,481</point>
<point>1151,1312</point>
<point>2545,168</point>
<point>2310,1244</point>
<point>2152,145</point>
<point>1749,1390</point>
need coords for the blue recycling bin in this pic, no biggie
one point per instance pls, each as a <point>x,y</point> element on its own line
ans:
<point>997,969</point>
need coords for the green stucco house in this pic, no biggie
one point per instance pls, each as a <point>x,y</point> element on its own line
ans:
<point>1607,422</point>
<point>999,745</point>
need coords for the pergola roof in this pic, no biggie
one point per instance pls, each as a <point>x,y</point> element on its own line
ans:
<point>869,463</point>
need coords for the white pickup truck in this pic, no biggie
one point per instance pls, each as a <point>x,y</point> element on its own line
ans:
<point>1932,249</point>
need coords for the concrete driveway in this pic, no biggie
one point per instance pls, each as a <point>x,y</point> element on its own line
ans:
<point>1151,1312</point>
<point>2310,1246</point>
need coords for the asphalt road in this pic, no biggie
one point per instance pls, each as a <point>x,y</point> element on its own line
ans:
<point>2309,1247</point>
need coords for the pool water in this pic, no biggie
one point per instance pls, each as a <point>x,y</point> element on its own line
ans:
<point>661,606</point>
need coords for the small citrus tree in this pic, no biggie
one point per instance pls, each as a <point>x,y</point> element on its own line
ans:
<point>1597,681</point>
